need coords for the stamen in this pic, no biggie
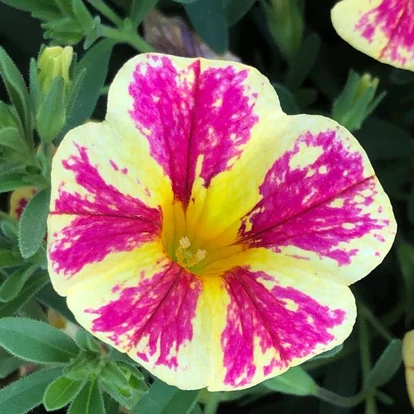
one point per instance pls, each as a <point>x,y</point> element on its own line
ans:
<point>185,257</point>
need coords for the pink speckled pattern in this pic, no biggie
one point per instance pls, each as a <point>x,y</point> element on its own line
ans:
<point>196,163</point>
<point>298,205</point>
<point>189,113</point>
<point>153,310</point>
<point>395,19</point>
<point>255,313</point>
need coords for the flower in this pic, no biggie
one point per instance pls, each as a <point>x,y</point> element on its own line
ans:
<point>408,359</point>
<point>205,232</point>
<point>173,35</point>
<point>383,29</point>
<point>54,61</point>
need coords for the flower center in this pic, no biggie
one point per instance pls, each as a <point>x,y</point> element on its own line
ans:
<point>185,257</point>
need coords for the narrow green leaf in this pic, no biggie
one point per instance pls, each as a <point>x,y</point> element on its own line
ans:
<point>95,65</point>
<point>295,381</point>
<point>30,289</point>
<point>36,341</point>
<point>10,138</point>
<point>60,393</point>
<point>86,341</point>
<point>156,400</point>
<point>8,365</point>
<point>51,115</point>
<point>31,5</point>
<point>88,401</point>
<point>210,22</point>
<point>328,354</point>
<point>303,61</point>
<point>9,259</point>
<point>32,224</point>
<point>139,9</point>
<point>82,14</point>
<point>35,92</point>
<point>17,90</point>
<point>386,366</point>
<point>26,393</point>
<point>182,402</point>
<point>236,9</point>
<point>9,229</point>
<point>9,181</point>
<point>112,374</point>
<point>13,285</point>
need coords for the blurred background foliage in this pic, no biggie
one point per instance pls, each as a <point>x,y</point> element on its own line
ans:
<point>314,71</point>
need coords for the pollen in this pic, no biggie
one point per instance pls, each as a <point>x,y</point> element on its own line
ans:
<point>186,257</point>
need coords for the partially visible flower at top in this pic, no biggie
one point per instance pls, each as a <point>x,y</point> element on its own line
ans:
<point>408,359</point>
<point>172,35</point>
<point>205,232</point>
<point>19,199</point>
<point>54,61</point>
<point>383,29</point>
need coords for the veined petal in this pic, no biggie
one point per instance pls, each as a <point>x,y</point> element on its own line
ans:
<point>103,203</point>
<point>383,29</point>
<point>224,332</point>
<point>196,115</point>
<point>151,312</point>
<point>321,203</point>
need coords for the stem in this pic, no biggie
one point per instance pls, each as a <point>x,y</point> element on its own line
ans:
<point>106,11</point>
<point>130,37</point>
<point>339,400</point>
<point>376,324</point>
<point>213,401</point>
<point>370,405</point>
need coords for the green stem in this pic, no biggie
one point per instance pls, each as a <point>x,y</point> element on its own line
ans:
<point>126,36</point>
<point>106,11</point>
<point>376,324</point>
<point>370,405</point>
<point>339,400</point>
<point>213,401</point>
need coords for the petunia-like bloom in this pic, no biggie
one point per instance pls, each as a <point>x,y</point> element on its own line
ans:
<point>205,232</point>
<point>383,29</point>
<point>173,35</point>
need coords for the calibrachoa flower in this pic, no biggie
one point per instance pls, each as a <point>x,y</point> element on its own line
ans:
<point>383,29</point>
<point>173,35</point>
<point>206,233</point>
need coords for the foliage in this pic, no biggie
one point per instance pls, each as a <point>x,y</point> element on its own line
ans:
<point>312,71</point>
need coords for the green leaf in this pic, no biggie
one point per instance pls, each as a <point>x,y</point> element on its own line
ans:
<point>30,289</point>
<point>86,341</point>
<point>112,374</point>
<point>95,66</point>
<point>36,341</point>
<point>303,61</point>
<point>182,402</point>
<point>384,141</point>
<point>8,365</point>
<point>9,259</point>
<point>328,354</point>
<point>16,88</point>
<point>209,20</point>
<point>51,115</point>
<point>295,381</point>
<point>34,86</point>
<point>88,401</point>
<point>32,224</point>
<point>139,9</point>
<point>236,9</point>
<point>9,181</point>
<point>31,5</point>
<point>26,393</point>
<point>10,138</point>
<point>287,100</point>
<point>60,393</point>
<point>386,366</point>
<point>157,399</point>
<point>82,14</point>
<point>50,298</point>
<point>13,285</point>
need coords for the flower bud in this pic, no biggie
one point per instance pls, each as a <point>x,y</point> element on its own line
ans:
<point>53,62</point>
